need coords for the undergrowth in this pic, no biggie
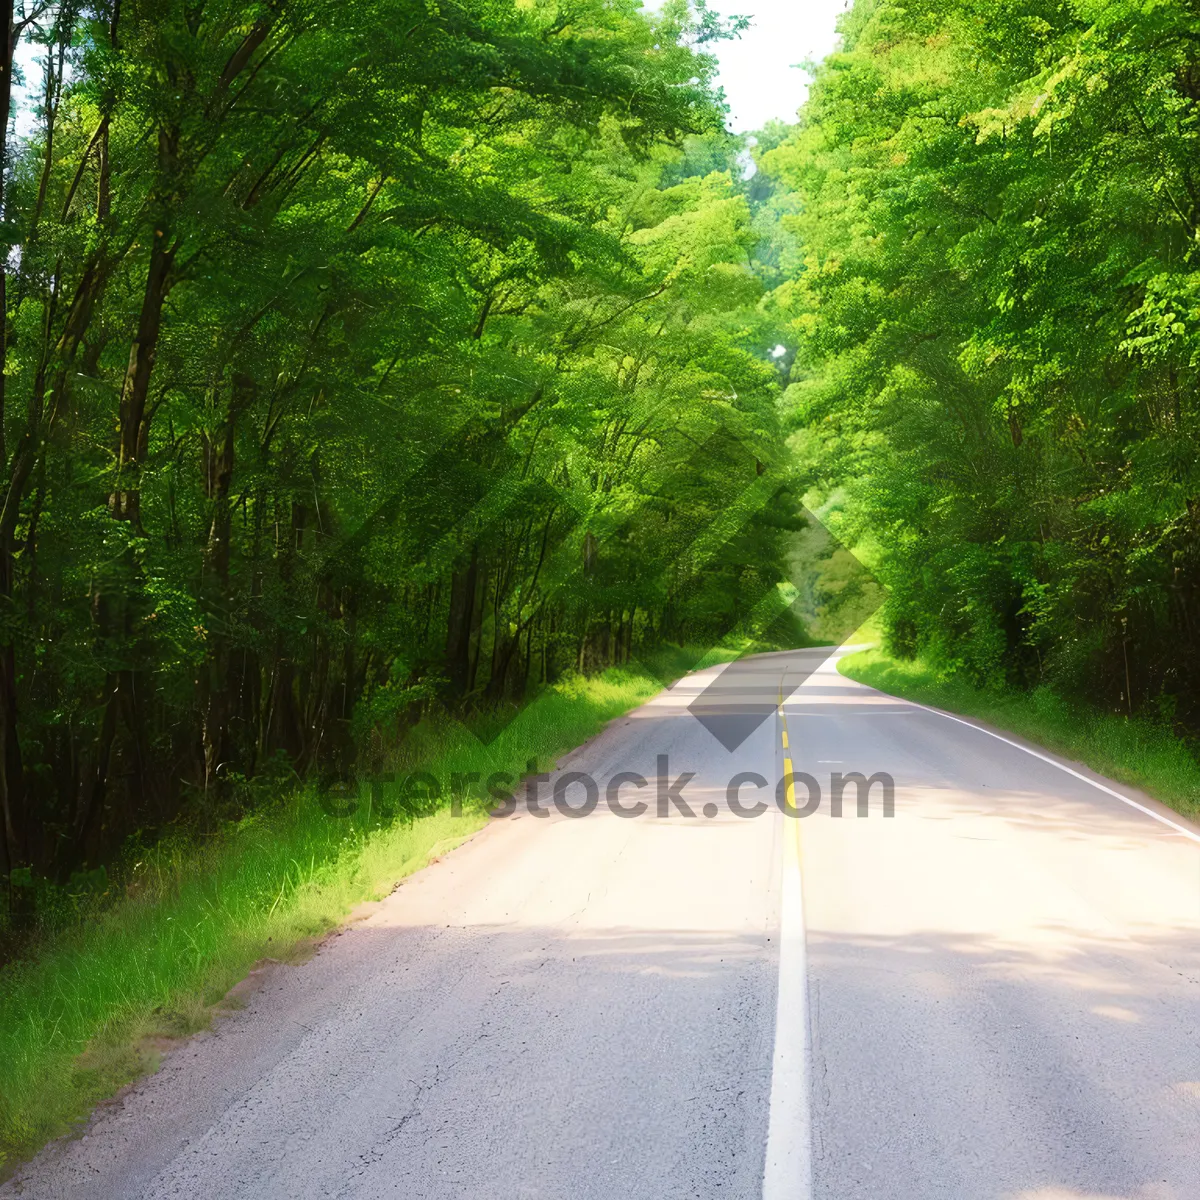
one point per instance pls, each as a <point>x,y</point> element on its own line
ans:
<point>87,1010</point>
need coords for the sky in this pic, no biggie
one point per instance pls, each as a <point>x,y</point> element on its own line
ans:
<point>758,71</point>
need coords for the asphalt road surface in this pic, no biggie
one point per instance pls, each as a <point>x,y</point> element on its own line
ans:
<point>993,994</point>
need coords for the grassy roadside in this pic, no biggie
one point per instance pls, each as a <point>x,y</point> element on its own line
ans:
<point>84,1016</point>
<point>1135,751</point>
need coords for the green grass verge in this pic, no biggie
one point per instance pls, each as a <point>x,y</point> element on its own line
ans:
<point>85,1014</point>
<point>1140,752</point>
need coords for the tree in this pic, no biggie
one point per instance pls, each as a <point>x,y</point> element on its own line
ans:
<point>355,369</point>
<point>997,213</point>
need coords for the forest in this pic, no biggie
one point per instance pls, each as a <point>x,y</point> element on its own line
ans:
<point>367,370</point>
<point>355,369</point>
<point>997,315</point>
<point>409,389</point>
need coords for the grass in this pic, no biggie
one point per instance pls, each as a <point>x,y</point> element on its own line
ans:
<point>88,1012</point>
<point>1136,751</point>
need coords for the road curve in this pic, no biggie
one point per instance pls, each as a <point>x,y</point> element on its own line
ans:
<point>993,994</point>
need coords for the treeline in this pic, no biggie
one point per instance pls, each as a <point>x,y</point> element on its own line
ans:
<point>360,361</point>
<point>998,315</point>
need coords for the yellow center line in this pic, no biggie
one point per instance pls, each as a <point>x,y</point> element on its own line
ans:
<point>789,771</point>
<point>788,1170</point>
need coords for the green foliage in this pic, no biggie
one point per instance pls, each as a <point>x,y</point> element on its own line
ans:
<point>355,370</point>
<point>997,209</point>
<point>82,1019</point>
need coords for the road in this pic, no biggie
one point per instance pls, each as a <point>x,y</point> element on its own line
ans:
<point>993,994</point>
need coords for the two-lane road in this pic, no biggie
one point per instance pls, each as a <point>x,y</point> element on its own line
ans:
<point>993,994</point>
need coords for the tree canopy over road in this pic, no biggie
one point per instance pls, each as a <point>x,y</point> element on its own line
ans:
<point>398,361</point>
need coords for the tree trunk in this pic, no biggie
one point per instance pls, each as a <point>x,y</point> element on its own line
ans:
<point>215,699</point>
<point>12,792</point>
<point>458,626</point>
<point>134,427</point>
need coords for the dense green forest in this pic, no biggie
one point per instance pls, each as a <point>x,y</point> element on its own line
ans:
<point>369,368</point>
<point>359,363</point>
<point>406,389</point>
<point>996,306</point>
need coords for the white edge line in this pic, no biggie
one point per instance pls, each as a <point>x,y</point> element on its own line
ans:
<point>1187,833</point>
